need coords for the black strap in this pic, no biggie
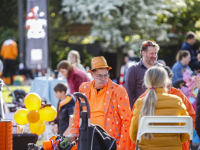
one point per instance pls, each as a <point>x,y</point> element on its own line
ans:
<point>84,120</point>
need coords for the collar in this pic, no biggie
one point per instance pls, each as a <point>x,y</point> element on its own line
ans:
<point>109,92</point>
<point>142,64</point>
<point>181,64</point>
<point>188,44</point>
<point>65,101</point>
<point>161,90</point>
<point>101,88</point>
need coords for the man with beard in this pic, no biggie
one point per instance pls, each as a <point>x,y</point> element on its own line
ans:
<point>134,78</point>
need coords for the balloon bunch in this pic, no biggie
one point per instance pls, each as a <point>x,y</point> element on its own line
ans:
<point>35,114</point>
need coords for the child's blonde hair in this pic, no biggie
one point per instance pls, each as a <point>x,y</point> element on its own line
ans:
<point>76,54</point>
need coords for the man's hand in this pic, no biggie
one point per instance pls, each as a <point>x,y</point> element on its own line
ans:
<point>54,129</point>
<point>197,81</point>
<point>52,123</point>
<point>71,137</point>
<point>67,131</point>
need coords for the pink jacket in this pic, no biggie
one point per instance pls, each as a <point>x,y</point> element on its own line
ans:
<point>76,78</point>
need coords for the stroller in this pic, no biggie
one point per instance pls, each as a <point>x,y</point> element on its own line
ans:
<point>91,137</point>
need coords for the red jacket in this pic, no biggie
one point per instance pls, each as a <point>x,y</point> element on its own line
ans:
<point>75,79</point>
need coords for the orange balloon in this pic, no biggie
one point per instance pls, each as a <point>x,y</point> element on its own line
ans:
<point>38,127</point>
<point>32,101</point>
<point>33,116</point>
<point>20,116</point>
<point>48,113</point>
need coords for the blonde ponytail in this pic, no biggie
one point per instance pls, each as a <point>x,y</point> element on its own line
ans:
<point>155,77</point>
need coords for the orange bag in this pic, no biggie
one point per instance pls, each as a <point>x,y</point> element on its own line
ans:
<point>6,135</point>
<point>47,145</point>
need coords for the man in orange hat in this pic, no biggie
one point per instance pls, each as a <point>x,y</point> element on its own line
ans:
<point>109,104</point>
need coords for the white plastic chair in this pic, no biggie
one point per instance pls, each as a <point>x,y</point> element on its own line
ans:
<point>146,126</point>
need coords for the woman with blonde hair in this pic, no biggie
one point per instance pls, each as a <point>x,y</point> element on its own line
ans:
<point>74,59</point>
<point>159,103</point>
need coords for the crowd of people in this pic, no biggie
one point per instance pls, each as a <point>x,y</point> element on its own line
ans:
<point>146,90</point>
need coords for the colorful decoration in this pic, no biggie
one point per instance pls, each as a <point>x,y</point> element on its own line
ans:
<point>47,113</point>
<point>32,101</point>
<point>190,90</point>
<point>58,143</point>
<point>20,116</point>
<point>36,114</point>
<point>33,116</point>
<point>18,80</point>
<point>38,127</point>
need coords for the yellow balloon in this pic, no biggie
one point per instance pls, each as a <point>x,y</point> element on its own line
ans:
<point>33,116</point>
<point>20,116</point>
<point>48,113</point>
<point>32,101</point>
<point>38,127</point>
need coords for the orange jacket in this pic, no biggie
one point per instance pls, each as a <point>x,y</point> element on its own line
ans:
<point>189,108</point>
<point>117,112</point>
<point>9,49</point>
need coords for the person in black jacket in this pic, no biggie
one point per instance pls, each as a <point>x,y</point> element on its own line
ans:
<point>65,107</point>
<point>187,45</point>
<point>197,117</point>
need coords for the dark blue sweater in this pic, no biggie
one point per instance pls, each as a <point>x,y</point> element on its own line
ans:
<point>197,115</point>
<point>188,47</point>
<point>63,114</point>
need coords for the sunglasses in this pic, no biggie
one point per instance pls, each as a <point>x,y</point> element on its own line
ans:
<point>149,43</point>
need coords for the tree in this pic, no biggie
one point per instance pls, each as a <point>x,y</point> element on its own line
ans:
<point>60,42</point>
<point>183,20</point>
<point>122,24</point>
<point>57,23</point>
<point>9,19</point>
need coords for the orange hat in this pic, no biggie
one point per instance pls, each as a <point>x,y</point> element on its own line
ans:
<point>99,62</point>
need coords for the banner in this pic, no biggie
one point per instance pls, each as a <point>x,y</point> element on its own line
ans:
<point>37,34</point>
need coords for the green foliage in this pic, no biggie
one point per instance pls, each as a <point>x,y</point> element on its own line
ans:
<point>122,23</point>
<point>116,23</point>
<point>59,38</point>
<point>183,20</point>
<point>6,34</point>
<point>86,57</point>
<point>57,27</point>
<point>8,14</point>
<point>9,19</point>
<point>58,53</point>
